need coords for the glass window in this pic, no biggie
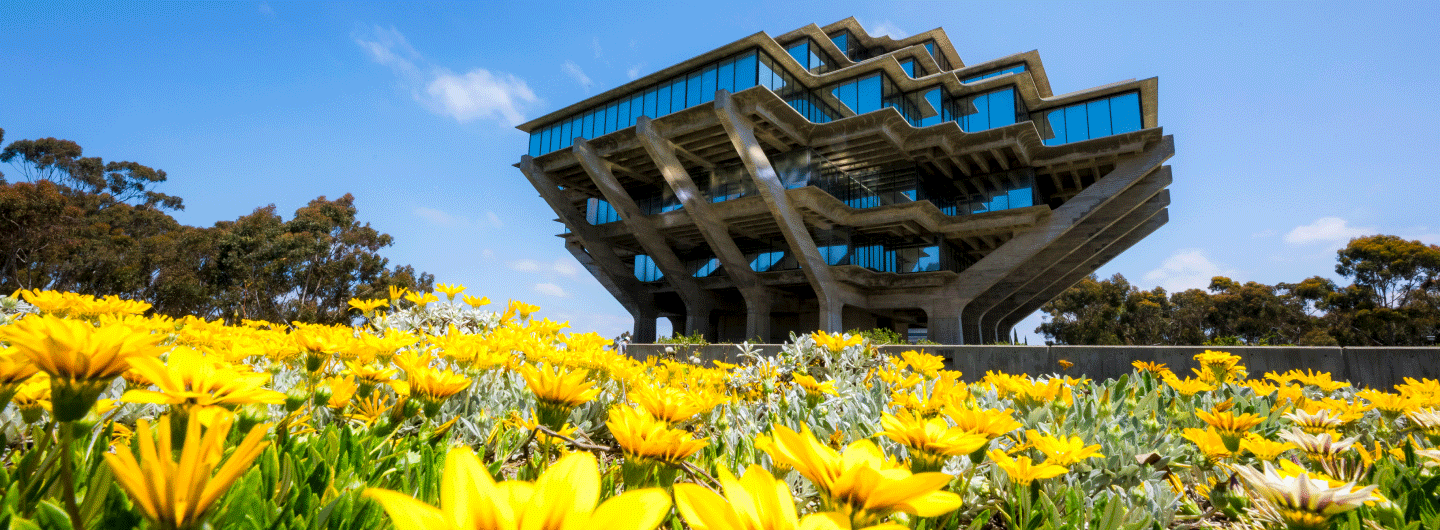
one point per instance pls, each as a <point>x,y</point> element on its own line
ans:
<point>649,108</point>
<point>1076,123</point>
<point>846,93</point>
<point>842,41</point>
<point>567,134</point>
<point>677,95</point>
<point>622,110</point>
<point>1002,108</point>
<point>870,94</point>
<point>602,123</point>
<point>707,85</point>
<point>725,79</point>
<point>1099,116</point>
<point>909,66</point>
<point>1021,197</point>
<point>933,97</point>
<point>1056,120</point>
<point>1125,113</point>
<point>612,117</point>
<point>637,108</point>
<point>662,100</point>
<point>801,53</point>
<point>693,95</point>
<point>745,71</point>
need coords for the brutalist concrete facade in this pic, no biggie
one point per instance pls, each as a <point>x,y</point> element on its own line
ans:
<point>827,179</point>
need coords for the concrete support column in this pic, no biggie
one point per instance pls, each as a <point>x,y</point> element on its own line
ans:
<point>757,320</point>
<point>792,225</point>
<point>677,324</point>
<point>698,302</point>
<point>644,325</point>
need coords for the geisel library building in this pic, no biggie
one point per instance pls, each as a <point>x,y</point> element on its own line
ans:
<point>829,180</point>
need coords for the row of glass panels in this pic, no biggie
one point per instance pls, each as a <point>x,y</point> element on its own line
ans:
<point>900,258</point>
<point>862,95</point>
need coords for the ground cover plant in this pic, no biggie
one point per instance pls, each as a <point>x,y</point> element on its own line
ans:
<point>434,411</point>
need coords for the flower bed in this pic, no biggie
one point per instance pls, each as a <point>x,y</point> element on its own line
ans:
<point>443,414</point>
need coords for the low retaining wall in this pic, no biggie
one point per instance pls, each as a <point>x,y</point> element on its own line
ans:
<point>1379,367</point>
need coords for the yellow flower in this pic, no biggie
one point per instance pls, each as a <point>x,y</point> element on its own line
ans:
<point>450,290</point>
<point>368,306</point>
<point>1188,387</point>
<point>515,307</point>
<point>475,301</point>
<point>1024,471</point>
<point>1304,502</point>
<point>862,484</point>
<point>837,341</point>
<point>342,390</point>
<point>397,292</point>
<point>178,493</point>
<point>189,380</point>
<point>1229,426</point>
<point>562,499</point>
<point>671,404</point>
<point>1319,422</point>
<point>644,438</point>
<point>756,502</point>
<point>1062,451</point>
<point>1220,367</point>
<point>1210,444</point>
<point>432,387</point>
<point>1157,369</point>
<point>32,398</point>
<point>1391,406</point>
<point>815,389</point>
<point>1264,450</point>
<point>924,363</point>
<point>993,423</point>
<point>81,359</point>
<point>930,441</point>
<point>556,393</point>
<point>421,299</point>
<point>14,370</point>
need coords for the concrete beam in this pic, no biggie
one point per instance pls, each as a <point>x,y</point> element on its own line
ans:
<point>757,297</point>
<point>588,247</point>
<point>698,302</point>
<point>1025,308</point>
<point>792,225</point>
<point>999,264</point>
<point>1119,212</point>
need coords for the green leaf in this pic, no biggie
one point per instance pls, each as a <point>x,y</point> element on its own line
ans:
<point>52,517</point>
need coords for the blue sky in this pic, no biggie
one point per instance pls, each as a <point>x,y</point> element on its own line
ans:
<point>1297,125</point>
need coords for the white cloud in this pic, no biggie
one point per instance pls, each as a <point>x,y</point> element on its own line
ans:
<point>488,254</point>
<point>494,220</point>
<point>440,218</point>
<point>634,71</point>
<point>266,10</point>
<point>478,93</point>
<point>525,265</point>
<point>551,290</point>
<point>573,70</point>
<point>1332,230</point>
<point>886,27</point>
<point>595,46</point>
<point>1268,232</point>
<point>1186,269</point>
<point>565,267</point>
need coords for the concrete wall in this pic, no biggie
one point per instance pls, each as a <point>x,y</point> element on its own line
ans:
<point>1379,368</point>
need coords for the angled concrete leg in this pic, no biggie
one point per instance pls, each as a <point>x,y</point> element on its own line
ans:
<point>831,316</point>
<point>757,319</point>
<point>644,326</point>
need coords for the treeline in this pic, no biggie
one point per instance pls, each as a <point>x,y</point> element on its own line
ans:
<point>1394,300</point>
<point>81,224</point>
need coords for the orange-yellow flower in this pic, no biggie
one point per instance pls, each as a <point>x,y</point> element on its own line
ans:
<point>80,358</point>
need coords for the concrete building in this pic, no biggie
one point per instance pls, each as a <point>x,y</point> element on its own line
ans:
<point>828,179</point>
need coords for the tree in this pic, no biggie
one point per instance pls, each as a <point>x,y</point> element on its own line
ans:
<point>1391,301</point>
<point>59,161</point>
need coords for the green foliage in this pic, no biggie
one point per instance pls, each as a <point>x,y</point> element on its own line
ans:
<point>88,226</point>
<point>880,336</point>
<point>693,339</point>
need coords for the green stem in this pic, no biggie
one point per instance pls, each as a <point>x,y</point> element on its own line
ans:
<point>67,473</point>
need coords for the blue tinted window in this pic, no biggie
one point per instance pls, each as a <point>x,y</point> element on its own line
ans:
<point>637,108</point>
<point>846,94</point>
<point>1099,112</point>
<point>587,123</point>
<point>1056,119</point>
<point>933,97</point>
<point>677,95</point>
<point>870,94</point>
<point>662,100</point>
<point>842,41</point>
<point>766,260</point>
<point>535,144</point>
<point>930,47</point>
<point>649,106</point>
<point>909,66</point>
<point>707,85</point>
<point>693,96</point>
<point>567,134</point>
<point>980,120</point>
<point>1125,113</point>
<point>801,53</point>
<point>1077,124</point>
<point>833,254</point>
<point>726,77</point>
<point>612,117</point>
<point>1021,197</point>
<point>745,72</point>
<point>1002,108</point>
<point>707,268</point>
<point>645,269</point>
<point>622,113</point>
